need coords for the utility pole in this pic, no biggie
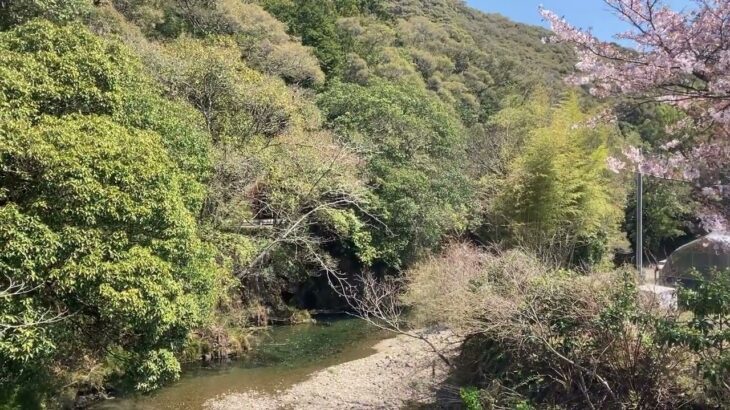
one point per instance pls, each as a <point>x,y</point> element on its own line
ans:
<point>639,224</point>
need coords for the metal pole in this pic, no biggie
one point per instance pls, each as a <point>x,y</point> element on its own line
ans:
<point>639,224</point>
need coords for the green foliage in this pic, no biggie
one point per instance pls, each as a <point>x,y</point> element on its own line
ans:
<point>446,45</point>
<point>67,70</point>
<point>128,183</point>
<point>346,226</point>
<point>524,405</point>
<point>265,133</point>
<point>470,398</point>
<point>705,332</point>
<point>668,209</point>
<point>557,194</point>
<point>73,82</point>
<point>263,40</point>
<point>17,12</point>
<point>154,369</point>
<point>101,250</point>
<point>648,121</point>
<point>551,338</point>
<point>413,143</point>
<point>668,205</point>
<point>236,102</point>
<point>266,46</point>
<point>405,55</point>
<point>272,161</point>
<point>120,250</point>
<point>355,7</point>
<point>315,22</point>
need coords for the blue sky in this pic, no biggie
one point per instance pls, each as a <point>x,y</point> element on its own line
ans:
<point>582,13</point>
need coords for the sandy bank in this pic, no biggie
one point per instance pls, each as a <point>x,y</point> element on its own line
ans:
<point>403,370</point>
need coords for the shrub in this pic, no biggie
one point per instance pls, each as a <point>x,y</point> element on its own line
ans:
<point>705,331</point>
<point>451,288</point>
<point>550,337</point>
<point>154,369</point>
<point>570,340</point>
<point>470,398</point>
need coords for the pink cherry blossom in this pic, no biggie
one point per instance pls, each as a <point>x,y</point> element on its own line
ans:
<point>615,164</point>
<point>678,58</point>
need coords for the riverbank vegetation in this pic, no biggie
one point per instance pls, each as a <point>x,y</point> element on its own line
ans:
<point>173,173</point>
<point>537,335</point>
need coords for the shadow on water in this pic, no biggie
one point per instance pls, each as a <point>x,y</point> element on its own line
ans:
<point>282,356</point>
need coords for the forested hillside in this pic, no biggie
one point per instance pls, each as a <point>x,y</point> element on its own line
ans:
<point>173,172</point>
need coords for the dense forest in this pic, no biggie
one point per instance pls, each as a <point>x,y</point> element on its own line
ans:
<point>176,172</point>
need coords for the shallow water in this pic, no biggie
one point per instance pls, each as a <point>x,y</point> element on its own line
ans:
<point>283,356</point>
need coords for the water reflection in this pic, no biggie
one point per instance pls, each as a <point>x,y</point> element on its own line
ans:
<point>282,357</point>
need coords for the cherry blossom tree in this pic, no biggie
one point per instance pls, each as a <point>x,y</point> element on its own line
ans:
<point>680,58</point>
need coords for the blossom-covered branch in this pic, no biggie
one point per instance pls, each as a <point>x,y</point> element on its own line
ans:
<point>677,58</point>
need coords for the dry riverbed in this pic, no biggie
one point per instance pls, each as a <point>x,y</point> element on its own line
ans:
<point>404,370</point>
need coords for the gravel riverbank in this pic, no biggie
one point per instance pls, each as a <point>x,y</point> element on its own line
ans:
<point>403,370</point>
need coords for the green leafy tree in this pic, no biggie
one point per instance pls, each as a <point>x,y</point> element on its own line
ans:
<point>100,246</point>
<point>669,208</point>
<point>274,162</point>
<point>236,102</point>
<point>413,143</point>
<point>60,70</point>
<point>263,40</point>
<point>668,212</point>
<point>17,12</point>
<point>120,259</point>
<point>557,193</point>
<point>315,22</point>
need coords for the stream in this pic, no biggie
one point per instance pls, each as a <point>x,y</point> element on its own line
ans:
<point>282,357</point>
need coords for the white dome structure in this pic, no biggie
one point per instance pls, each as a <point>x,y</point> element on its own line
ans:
<point>702,256</point>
